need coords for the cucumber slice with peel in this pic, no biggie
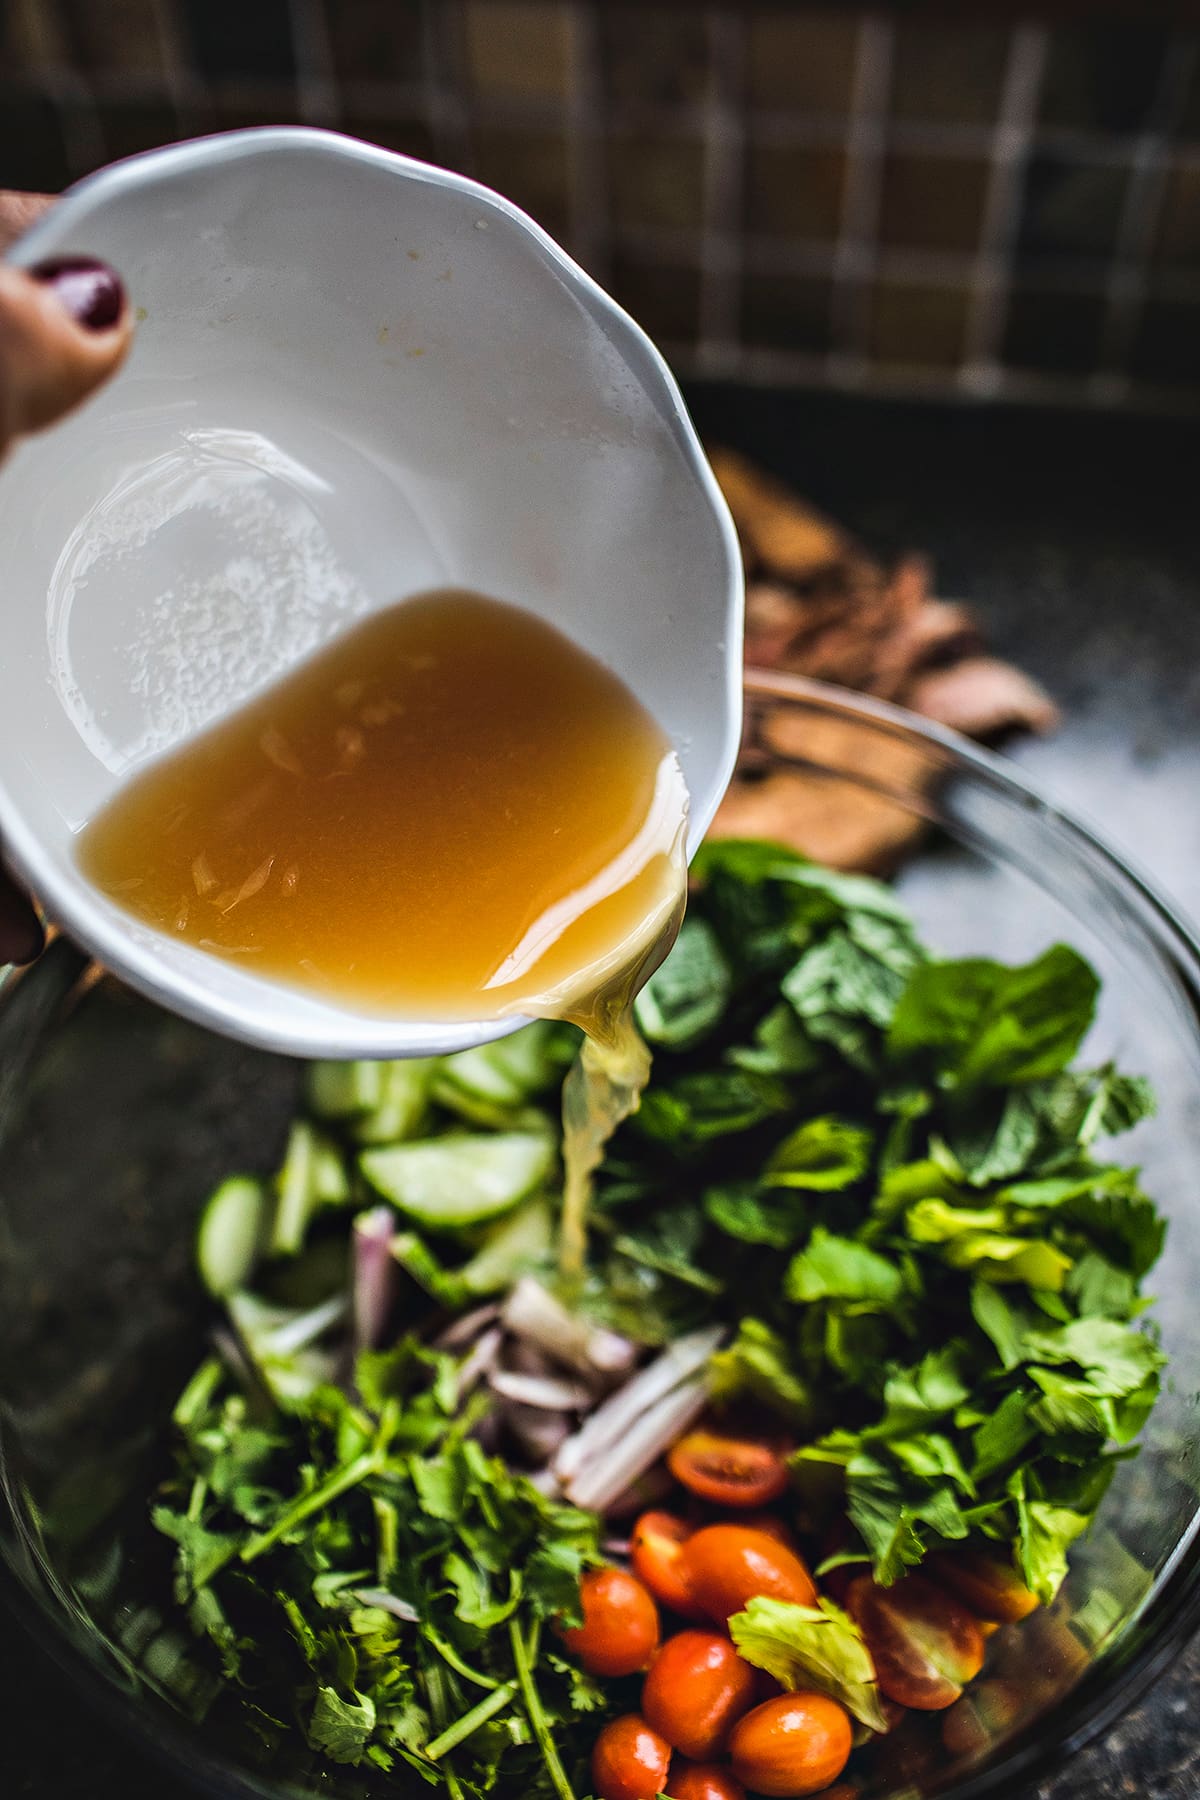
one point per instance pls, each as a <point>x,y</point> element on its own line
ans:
<point>232,1229</point>
<point>313,1175</point>
<point>459,1180</point>
<point>339,1090</point>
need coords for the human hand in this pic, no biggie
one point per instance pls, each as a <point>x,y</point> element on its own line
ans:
<point>65,327</point>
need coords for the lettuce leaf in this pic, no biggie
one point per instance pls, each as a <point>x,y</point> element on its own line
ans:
<point>816,1647</point>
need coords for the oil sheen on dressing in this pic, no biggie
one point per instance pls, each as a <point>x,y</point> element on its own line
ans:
<point>451,812</point>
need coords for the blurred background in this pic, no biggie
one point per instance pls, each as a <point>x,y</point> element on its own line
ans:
<point>981,200</point>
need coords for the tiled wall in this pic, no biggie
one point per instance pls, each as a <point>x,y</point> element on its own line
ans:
<point>779,192</point>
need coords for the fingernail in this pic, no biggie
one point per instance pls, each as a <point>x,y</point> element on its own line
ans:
<point>90,291</point>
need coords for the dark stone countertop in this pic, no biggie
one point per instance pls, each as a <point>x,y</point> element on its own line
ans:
<point>1075,539</point>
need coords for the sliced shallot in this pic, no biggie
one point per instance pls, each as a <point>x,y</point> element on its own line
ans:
<point>532,1313</point>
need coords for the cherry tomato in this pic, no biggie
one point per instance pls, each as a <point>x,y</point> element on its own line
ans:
<point>629,1761</point>
<point>658,1560</point>
<point>991,1588</point>
<point>619,1633</point>
<point>730,1564</point>
<point>797,1744</point>
<point>772,1524</point>
<point>697,1689</point>
<point>703,1781</point>
<point>727,1470</point>
<point>924,1643</point>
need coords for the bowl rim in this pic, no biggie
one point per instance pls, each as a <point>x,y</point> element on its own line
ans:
<point>1102,1695</point>
<point>326,1030</point>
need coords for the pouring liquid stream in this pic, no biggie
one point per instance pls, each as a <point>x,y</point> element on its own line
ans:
<point>452,812</point>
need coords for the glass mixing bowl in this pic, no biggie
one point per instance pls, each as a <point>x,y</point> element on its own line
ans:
<point>117,1119</point>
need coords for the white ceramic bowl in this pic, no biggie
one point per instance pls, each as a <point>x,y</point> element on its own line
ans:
<point>354,377</point>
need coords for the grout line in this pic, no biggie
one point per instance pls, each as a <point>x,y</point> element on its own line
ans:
<point>79,121</point>
<point>991,280</point>
<point>316,83</point>
<point>68,92</point>
<point>776,369</point>
<point>724,148</point>
<point>672,119</point>
<point>1145,196</point>
<point>862,199</point>
<point>587,172</point>
<point>676,120</point>
<point>670,248</point>
<point>186,91</point>
<point>445,84</point>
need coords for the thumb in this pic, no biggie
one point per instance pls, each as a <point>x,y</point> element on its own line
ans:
<point>65,326</point>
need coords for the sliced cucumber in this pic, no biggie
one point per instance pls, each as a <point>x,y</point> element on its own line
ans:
<point>232,1229</point>
<point>513,1246</point>
<point>330,1176</point>
<point>493,1082</point>
<point>451,1182</point>
<point>339,1090</point>
<point>403,1102</point>
<point>313,1175</point>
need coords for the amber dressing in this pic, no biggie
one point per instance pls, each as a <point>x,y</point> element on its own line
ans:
<point>452,812</point>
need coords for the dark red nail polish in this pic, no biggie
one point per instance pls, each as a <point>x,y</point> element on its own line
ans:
<point>91,292</point>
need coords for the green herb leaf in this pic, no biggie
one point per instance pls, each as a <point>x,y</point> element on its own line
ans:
<point>978,1021</point>
<point>339,1728</point>
<point>822,1154</point>
<point>686,996</point>
<point>811,1647</point>
<point>839,1268</point>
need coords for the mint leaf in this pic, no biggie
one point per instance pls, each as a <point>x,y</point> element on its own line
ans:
<point>1002,1320</point>
<point>1116,1359</point>
<point>822,1154</point>
<point>839,1268</point>
<point>916,1397</point>
<point>758,1365</point>
<point>756,1216</point>
<point>780,1046</point>
<point>697,1108</point>
<point>844,996</point>
<point>1119,1103</point>
<point>1004,1435</point>
<point>686,996</point>
<point>977,1240</point>
<point>978,1021</point>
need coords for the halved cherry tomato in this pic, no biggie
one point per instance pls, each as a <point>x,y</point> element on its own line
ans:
<point>697,1689</point>
<point>619,1634</point>
<point>730,1564</point>
<point>703,1781</point>
<point>991,1588</point>
<point>656,1550</point>
<point>629,1761</point>
<point>797,1744</point>
<point>727,1470</point>
<point>924,1643</point>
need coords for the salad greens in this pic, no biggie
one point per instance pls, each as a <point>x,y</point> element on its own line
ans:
<point>876,1174</point>
<point>366,1571</point>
